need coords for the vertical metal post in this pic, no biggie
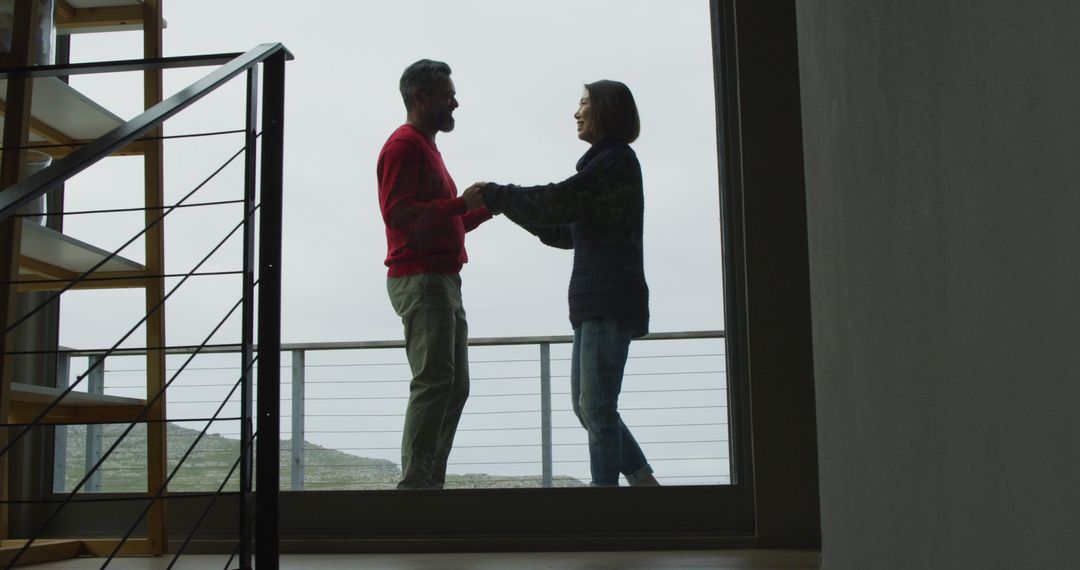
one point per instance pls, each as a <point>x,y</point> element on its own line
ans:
<point>247,334</point>
<point>94,432</point>
<point>59,472</point>
<point>297,420</point>
<point>545,411</point>
<point>268,468</point>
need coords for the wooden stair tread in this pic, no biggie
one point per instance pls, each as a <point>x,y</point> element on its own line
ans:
<point>30,393</point>
<point>30,401</point>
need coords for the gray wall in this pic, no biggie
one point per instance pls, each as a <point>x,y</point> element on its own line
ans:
<point>942,152</point>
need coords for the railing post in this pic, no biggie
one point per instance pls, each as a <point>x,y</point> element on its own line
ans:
<point>247,342</point>
<point>268,452</point>
<point>545,412</point>
<point>297,420</point>
<point>60,432</point>
<point>94,432</point>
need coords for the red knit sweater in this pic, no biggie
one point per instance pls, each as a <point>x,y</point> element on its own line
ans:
<point>425,219</point>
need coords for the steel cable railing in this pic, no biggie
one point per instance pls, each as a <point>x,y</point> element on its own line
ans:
<point>112,255</point>
<point>152,401</point>
<point>142,321</point>
<point>678,401</point>
<point>86,477</point>
<point>183,458</point>
<point>244,532</point>
<point>272,58</point>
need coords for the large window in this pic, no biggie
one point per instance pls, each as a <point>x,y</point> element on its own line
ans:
<point>519,70</point>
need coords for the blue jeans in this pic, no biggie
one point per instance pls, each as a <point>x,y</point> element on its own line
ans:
<point>596,373</point>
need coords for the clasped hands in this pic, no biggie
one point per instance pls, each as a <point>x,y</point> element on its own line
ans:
<point>473,199</point>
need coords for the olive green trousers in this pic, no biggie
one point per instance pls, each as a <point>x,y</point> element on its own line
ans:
<point>436,344</point>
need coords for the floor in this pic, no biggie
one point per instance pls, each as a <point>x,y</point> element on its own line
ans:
<point>678,560</point>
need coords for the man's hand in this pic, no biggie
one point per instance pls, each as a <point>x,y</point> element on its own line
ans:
<point>473,199</point>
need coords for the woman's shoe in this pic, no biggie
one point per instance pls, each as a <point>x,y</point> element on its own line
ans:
<point>646,481</point>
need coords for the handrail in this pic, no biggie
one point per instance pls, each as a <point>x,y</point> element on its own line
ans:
<point>385,344</point>
<point>120,65</point>
<point>306,409</point>
<point>25,191</point>
<point>266,267</point>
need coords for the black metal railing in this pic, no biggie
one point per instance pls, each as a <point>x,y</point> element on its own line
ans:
<point>262,194</point>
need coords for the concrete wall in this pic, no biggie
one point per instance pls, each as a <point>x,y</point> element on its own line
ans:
<point>942,152</point>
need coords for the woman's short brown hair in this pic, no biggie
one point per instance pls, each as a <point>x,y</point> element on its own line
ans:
<point>614,110</point>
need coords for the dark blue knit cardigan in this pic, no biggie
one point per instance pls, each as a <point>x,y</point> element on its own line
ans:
<point>598,213</point>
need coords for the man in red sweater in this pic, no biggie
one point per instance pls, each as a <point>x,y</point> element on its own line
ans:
<point>426,223</point>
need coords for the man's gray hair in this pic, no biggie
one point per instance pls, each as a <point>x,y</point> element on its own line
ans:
<point>422,75</point>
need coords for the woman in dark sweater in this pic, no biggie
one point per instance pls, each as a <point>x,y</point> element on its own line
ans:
<point>598,213</point>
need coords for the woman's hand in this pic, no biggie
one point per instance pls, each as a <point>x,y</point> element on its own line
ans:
<point>473,199</point>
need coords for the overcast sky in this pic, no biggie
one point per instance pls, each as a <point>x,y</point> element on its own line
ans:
<point>519,69</point>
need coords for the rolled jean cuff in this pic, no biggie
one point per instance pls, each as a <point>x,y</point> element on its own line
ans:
<point>645,471</point>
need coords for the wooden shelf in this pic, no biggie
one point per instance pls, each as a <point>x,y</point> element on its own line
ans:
<point>40,551</point>
<point>53,550</point>
<point>49,254</point>
<point>29,400</point>
<point>59,114</point>
<point>91,16</point>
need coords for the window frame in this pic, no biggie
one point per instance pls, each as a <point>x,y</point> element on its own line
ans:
<point>748,513</point>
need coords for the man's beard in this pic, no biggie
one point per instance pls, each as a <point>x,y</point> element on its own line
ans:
<point>446,123</point>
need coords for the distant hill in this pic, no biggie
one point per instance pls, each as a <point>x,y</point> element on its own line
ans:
<point>207,466</point>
